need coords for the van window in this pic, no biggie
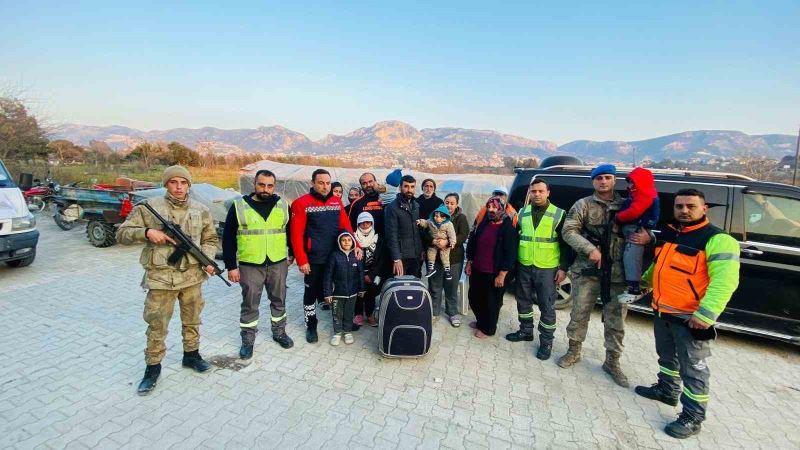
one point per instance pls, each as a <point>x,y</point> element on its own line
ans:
<point>716,197</point>
<point>772,219</point>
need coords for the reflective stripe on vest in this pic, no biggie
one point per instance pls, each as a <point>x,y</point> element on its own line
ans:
<point>539,246</point>
<point>257,238</point>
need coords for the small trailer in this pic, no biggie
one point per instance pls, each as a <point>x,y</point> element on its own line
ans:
<point>103,206</point>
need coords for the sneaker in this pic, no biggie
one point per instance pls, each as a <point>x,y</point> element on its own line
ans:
<point>657,393</point>
<point>246,352</point>
<point>372,321</point>
<point>447,274</point>
<point>348,338</point>
<point>518,336</point>
<point>335,339</point>
<point>284,341</point>
<point>431,270</point>
<point>684,427</point>
<point>455,321</point>
<point>631,296</point>
<point>358,320</point>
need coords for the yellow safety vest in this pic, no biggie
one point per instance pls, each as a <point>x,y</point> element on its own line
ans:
<point>257,238</point>
<point>539,246</point>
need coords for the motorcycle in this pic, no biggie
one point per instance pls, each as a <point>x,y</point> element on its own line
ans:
<point>40,196</point>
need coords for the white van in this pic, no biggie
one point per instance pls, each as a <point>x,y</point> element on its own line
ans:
<point>18,233</point>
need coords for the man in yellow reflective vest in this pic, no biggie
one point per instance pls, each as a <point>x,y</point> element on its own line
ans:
<point>542,259</point>
<point>255,247</point>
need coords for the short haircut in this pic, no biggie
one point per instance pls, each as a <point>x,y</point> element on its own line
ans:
<point>453,194</point>
<point>266,173</point>
<point>540,181</point>
<point>431,180</point>
<point>407,179</point>
<point>691,193</point>
<point>365,174</point>
<point>319,172</point>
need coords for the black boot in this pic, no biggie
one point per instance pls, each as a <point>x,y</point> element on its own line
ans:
<point>148,383</point>
<point>311,335</point>
<point>519,336</point>
<point>284,340</point>
<point>193,360</point>
<point>684,427</point>
<point>447,274</point>
<point>658,393</point>
<point>431,270</point>
<point>545,350</point>
<point>246,352</point>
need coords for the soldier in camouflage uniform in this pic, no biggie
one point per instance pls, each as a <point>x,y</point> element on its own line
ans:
<point>585,220</point>
<point>163,282</point>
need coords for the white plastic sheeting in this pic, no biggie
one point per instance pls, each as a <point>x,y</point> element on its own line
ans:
<point>295,180</point>
<point>217,200</point>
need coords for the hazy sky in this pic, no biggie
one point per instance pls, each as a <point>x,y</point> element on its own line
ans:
<point>599,70</point>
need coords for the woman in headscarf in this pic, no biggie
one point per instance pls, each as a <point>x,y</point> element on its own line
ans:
<point>491,254</point>
<point>437,283</point>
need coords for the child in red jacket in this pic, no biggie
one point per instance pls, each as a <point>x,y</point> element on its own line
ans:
<point>640,210</point>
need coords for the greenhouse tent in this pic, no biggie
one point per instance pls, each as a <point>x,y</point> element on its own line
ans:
<point>217,200</point>
<point>295,180</point>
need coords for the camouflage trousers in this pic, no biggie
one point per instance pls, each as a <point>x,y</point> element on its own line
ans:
<point>585,293</point>
<point>158,307</point>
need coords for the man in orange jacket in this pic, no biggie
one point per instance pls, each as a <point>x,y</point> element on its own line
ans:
<point>694,275</point>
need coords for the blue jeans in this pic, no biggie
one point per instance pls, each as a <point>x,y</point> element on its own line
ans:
<point>632,255</point>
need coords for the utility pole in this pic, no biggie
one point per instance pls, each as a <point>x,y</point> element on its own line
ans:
<point>796,155</point>
<point>634,156</point>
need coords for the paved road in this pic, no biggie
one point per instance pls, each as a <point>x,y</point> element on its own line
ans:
<point>72,336</point>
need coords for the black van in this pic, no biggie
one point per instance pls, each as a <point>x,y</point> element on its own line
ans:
<point>764,217</point>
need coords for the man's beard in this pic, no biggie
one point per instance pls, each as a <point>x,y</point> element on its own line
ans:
<point>263,196</point>
<point>369,190</point>
<point>408,195</point>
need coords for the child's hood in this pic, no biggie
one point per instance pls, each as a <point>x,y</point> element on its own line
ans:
<point>441,209</point>
<point>339,241</point>
<point>643,180</point>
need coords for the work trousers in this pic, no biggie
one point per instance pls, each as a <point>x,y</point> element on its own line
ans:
<point>313,294</point>
<point>682,357</point>
<point>254,279</point>
<point>535,285</point>
<point>159,305</point>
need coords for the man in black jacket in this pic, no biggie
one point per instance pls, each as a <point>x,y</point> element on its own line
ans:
<point>256,257</point>
<point>402,234</point>
<point>369,202</point>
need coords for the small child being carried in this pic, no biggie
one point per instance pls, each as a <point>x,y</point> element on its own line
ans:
<point>640,210</point>
<point>439,226</point>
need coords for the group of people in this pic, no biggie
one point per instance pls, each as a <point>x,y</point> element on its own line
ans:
<point>345,253</point>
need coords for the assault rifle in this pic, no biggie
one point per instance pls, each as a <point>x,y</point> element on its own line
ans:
<point>184,244</point>
<point>603,242</point>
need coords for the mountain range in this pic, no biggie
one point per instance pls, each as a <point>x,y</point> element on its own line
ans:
<point>399,138</point>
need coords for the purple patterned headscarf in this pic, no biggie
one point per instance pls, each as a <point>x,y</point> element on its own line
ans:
<point>501,214</point>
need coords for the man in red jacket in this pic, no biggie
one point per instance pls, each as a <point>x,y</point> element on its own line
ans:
<point>317,219</point>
